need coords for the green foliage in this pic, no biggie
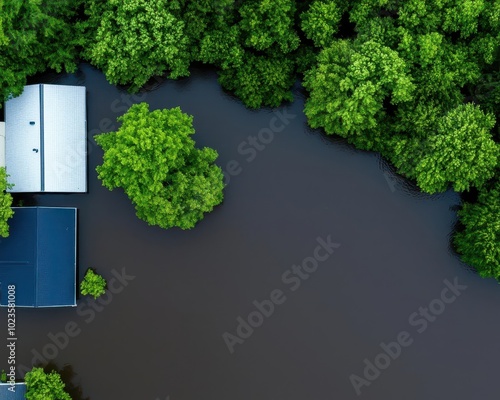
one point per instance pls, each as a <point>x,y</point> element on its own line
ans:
<point>255,51</point>
<point>460,151</point>
<point>260,80</point>
<point>321,21</point>
<point>44,386</point>
<point>305,58</point>
<point>479,242</point>
<point>267,23</point>
<point>439,67</point>
<point>222,48</point>
<point>252,42</point>
<point>35,35</point>
<point>398,87</point>
<point>6,211</point>
<point>348,88</point>
<point>93,284</point>
<point>204,17</point>
<point>487,93</point>
<point>136,40</point>
<point>153,158</point>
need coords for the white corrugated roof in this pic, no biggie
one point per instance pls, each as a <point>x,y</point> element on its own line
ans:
<point>65,138</point>
<point>2,144</point>
<point>51,155</point>
<point>22,140</point>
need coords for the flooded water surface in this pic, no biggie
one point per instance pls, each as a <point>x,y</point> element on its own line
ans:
<point>322,275</point>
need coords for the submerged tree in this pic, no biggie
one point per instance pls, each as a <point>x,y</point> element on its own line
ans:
<point>255,50</point>
<point>153,158</point>
<point>45,386</point>
<point>260,80</point>
<point>462,152</point>
<point>479,241</point>
<point>349,88</point>
<point>398,86</point>
<point>6,211</point>
<point>93,284</point>
<point>459,150</point>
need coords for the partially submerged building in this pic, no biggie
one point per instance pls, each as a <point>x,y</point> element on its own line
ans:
<point>18,393</point>
<point>39,257</point>
<point>2,144</point>
<point>46,139</point>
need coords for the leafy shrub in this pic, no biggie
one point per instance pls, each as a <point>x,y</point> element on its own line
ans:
<point>93,284</point>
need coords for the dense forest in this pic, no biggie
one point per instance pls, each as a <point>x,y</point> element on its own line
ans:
<point>417,81</point>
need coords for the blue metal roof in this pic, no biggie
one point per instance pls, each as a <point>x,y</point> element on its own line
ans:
<point>39,257</point>
<point>18,394</point>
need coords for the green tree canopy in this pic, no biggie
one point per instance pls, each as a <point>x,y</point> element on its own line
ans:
<point>348,88</point>
<point>44,386</point>
<point>260,80</point>
<point>221,47</point>
<point>399,85</point>
<point>93,284</point>
<point>267,23</point>
<point>153,158</point>
<point>479,241</point>
<point>6,211</point>
<point>35,35</point>
<point>202,18</point>
<point>136,40</point>
<point>254,50</point>
<point>321,21</point>
<point>460,152</point>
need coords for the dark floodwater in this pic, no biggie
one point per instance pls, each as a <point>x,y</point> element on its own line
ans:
<point>162,334</point>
